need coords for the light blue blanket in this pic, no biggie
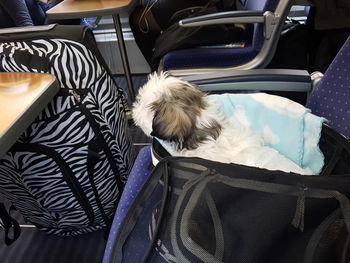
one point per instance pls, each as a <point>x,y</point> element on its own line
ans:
<point>286,126</point>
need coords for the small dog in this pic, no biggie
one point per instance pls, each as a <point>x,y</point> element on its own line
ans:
<point>176,111</point>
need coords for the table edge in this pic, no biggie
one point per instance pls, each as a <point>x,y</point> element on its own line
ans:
<point>12,134</point>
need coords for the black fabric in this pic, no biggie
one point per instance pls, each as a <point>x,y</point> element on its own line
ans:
<point>331,14</point>
<point>164,9</point>
<point>292,48</point>
<point>325,42</point>
<point>92,159</point>
<point>149,18</point>
<point>336,151</point>
<point>177,37</point>
<point>17,13</point>
<point>195,210</point>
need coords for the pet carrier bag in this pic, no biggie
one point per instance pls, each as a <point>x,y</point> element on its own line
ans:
<point>66,172</point>
<point>195,210</point>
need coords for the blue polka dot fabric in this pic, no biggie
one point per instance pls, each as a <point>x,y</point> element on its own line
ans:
<point>138,176</point>
<point>331,99</point>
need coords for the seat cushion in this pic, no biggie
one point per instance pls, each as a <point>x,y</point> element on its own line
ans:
<point>207,57</point>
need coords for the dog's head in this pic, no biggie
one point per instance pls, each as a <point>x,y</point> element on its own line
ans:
<point>169,108</point>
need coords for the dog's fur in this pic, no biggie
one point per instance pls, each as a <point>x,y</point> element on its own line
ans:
<point>178,112</point>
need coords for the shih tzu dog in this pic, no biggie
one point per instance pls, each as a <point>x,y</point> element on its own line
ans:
<point>179,113</point>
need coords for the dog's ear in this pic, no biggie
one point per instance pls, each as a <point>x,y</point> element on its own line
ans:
<point>199,135</point>
<point>172,122</point>
<point>175,113</point>
<point>175,117</point>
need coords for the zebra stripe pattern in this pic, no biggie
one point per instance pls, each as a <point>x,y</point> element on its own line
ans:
<point>36,181</point>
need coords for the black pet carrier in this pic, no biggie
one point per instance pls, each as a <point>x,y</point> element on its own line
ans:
<point>194,210</point>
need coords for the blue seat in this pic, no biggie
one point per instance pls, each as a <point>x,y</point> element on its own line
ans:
<point>137,177</point>
<point>268,17</point>
<point>330,98</point>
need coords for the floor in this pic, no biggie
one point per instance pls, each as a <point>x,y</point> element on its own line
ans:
<point>34,246</point>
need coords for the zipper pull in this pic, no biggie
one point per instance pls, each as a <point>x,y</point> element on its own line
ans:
<point>298,220</point>
<point>75,94</point>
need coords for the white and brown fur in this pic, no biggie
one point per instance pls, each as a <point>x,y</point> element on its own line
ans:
<point>176,111</point>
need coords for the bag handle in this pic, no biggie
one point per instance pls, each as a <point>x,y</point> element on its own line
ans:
<point>8,222</point>
<point>39,63</point>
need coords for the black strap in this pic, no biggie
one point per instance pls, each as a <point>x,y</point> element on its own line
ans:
<point>100,144</point>
<point>103,144</point>
<point>298,220</point>
<point>346,250</point>
<point>318,234</point>
<point>66,171</point>
<point>9,222</point>
<point>92,159</point>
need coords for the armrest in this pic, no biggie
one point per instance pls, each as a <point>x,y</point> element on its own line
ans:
<point>253,80</point>
<point>224,18</point>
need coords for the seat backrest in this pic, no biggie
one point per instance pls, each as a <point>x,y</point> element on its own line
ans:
<point>256,5</point>
<point>330,99</point>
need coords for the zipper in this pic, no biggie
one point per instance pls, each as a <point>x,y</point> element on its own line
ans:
<point>67,173</point>
<point>78,94</point>
<point>75,95</point>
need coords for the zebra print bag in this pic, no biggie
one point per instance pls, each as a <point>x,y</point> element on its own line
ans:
<point>67,170</point>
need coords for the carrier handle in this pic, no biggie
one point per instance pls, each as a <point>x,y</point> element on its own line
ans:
<point>24,57</point>
<point>319,233</point>
<point>9,222</point>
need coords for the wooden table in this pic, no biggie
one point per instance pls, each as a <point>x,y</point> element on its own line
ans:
<point>70,9</point>
<point>22,97</point>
